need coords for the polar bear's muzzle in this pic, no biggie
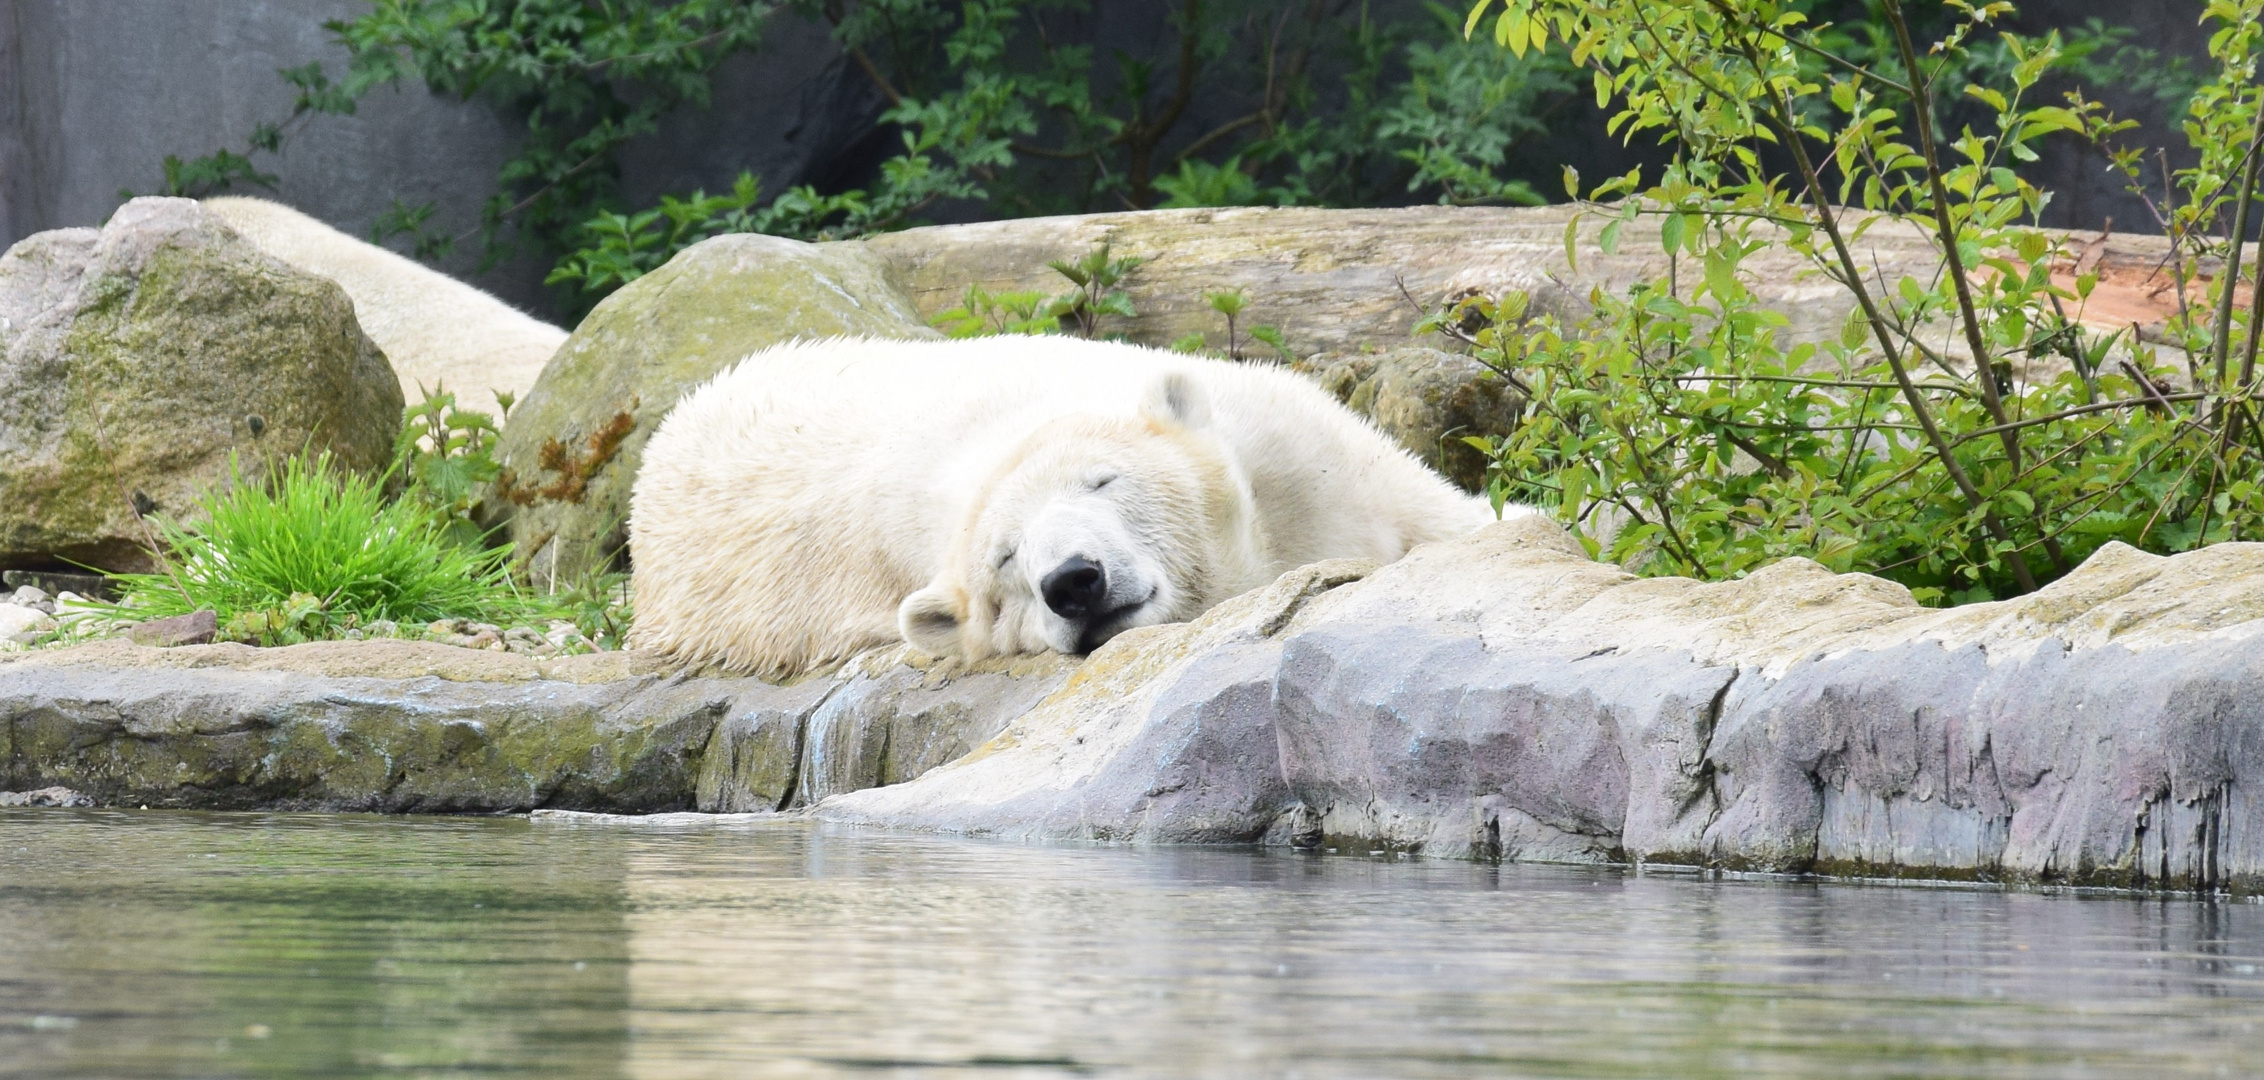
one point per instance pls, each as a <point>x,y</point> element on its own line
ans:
<point>1078,591</point>
<point>1075,589</point>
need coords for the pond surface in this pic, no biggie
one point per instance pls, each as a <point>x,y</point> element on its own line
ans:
<point>176,944</point>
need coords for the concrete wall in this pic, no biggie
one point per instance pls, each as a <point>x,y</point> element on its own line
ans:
<point>95,93</point>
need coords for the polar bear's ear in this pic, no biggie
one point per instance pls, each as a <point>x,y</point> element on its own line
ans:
<point>930,620</point>
<point>1175,398</point>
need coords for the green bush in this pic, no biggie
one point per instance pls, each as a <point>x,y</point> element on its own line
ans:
<point>315,551</point>
<point>1676,432</point>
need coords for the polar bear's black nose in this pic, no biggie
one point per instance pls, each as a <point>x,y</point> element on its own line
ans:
<point>1075,589</point>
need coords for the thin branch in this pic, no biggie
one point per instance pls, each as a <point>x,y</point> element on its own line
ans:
<point>1782,119</point>
<point>546,189</point>
<point>2155,400</point>
<point>2221,347</point>
<point>1954,262</point>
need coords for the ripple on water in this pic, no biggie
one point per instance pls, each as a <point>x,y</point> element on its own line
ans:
<point>152,943</point>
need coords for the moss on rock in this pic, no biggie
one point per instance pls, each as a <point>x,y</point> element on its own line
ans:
<point>139,359</point>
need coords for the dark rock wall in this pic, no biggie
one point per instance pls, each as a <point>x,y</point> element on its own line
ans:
<point>95,93</point>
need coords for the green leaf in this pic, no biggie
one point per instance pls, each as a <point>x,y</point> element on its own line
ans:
<point>1670,233</point>
<point>1477,12</point>
<point>1855,329</point>
<point>1721,276</point>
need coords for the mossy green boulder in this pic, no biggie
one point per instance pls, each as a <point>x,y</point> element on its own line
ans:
<point>136,360</point>
<point>571,450</point>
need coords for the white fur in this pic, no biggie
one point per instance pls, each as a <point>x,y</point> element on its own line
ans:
<point>435,330</point>
<point>821,498</point>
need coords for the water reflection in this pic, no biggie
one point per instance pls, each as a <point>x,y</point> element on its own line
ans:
<point>169,944</point>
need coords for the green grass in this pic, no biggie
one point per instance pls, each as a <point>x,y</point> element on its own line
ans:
<point>314,551</point>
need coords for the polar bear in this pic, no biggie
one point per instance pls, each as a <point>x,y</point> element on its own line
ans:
<point>997,495</point>
<point>436,331</point>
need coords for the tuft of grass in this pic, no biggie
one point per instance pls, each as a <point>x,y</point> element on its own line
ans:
<point>313,552</point>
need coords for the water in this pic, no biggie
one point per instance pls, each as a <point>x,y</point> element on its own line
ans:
<point>173,944</point>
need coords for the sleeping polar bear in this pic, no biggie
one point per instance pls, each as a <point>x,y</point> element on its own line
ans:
<point>997,496</point>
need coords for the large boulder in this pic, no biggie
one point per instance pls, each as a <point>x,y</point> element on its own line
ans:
<point>135,361</point>
<point>1503,697</point>
<point>1338,280</point>
<point>1496,697</point>
<point>440,333</point>
<point>571,451</point>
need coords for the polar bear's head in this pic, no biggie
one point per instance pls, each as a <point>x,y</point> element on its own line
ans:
<point>1094,525</point>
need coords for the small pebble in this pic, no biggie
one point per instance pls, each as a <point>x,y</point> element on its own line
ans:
<point>29,596</point>
<point>19,618</point>
<point>384,628</point>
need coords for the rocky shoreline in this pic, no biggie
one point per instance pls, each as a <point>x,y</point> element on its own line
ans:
<point>1499,697</point>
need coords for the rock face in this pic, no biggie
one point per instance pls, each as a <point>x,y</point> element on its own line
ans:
<point>135,360</point>
<point>421,727</point>
<point>1425,399</point>
<point>572,448</point>
<point>1503,697</point>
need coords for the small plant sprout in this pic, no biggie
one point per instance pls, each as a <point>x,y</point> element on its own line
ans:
<point>1232,303</point>
<point>982,313</point>
<point>443,456</point>
<point>1096,277</point>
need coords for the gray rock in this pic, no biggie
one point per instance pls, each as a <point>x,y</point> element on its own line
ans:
<point>888,721</point>
<point>571,451</point>
<point>18,618</point>
<point>132,360</point>
<point>50,582</point>
<point>1426,400</point>
<point>1501,697</point>
<point>1498,696</point>
<point>51,796</point>
<point>194,628</point>
<point>423,727</point>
